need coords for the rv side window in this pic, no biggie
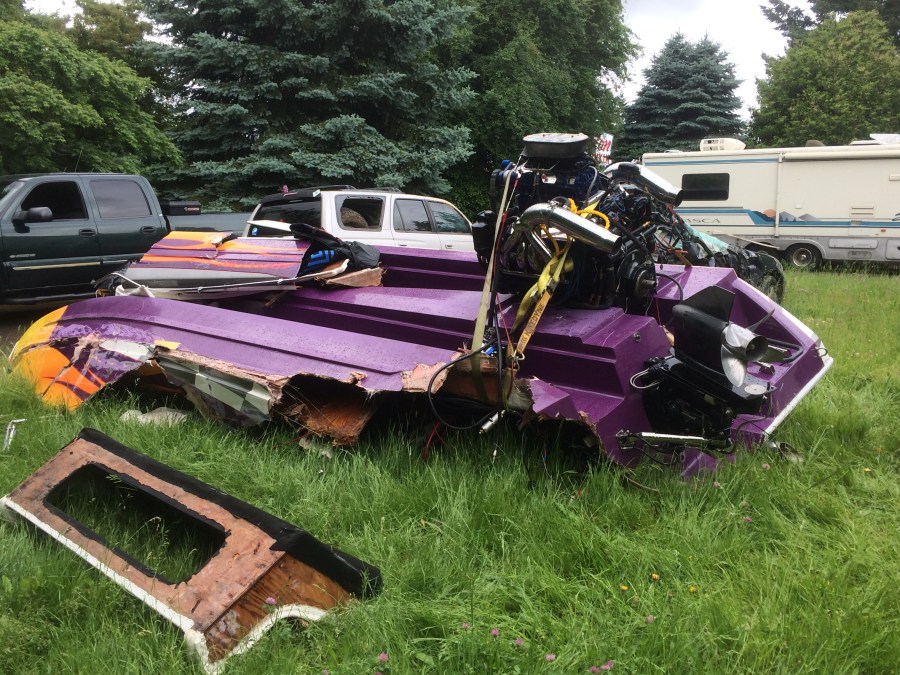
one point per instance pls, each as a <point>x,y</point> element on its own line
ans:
<point>705,186</point>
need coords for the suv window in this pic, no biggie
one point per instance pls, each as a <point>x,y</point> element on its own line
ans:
<point>120,199</point>
<point>447,218</point>
<point>411,216</point>
<point>309,212</point>
<point>360,212</point>
<point>61,197</point>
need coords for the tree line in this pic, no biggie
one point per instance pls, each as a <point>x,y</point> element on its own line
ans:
<point>225,101</point>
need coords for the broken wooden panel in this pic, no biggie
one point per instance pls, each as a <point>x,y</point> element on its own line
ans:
<point>327,408</point>
<point>262,568</point>
<point>357,279</point>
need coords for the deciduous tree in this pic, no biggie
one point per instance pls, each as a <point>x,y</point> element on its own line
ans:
<point>114,30</point>
<point>543,66</point>
<point>62,108</point>
<point>840,83</point>
<point>10,10</point>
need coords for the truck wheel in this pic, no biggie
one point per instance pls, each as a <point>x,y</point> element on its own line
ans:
<point>803,257</point>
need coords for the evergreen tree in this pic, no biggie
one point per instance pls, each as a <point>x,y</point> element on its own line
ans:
<point>303,92</point>
<point>792,22</point>
<point>689,95</point>
<point>840,83</point>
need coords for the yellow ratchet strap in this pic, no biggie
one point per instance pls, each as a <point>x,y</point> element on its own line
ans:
<point>544,288</point>
<point>589,210</point>
<point>481,319</point>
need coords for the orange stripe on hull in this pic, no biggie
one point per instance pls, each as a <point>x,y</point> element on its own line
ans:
<point>55,380</point>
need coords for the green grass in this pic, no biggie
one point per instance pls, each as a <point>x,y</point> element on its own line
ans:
<point>488,534</point>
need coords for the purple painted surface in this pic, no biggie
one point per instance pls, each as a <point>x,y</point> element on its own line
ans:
<point>694,462</point>
<point>589,355</point>
<point>270,347</point>
<point>578,365</point>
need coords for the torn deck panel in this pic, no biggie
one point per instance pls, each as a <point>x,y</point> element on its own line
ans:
<point>237,360</point>
<point>232,365</point>
<point>265,569</point>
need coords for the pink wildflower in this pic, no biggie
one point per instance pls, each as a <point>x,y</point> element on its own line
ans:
<point>649,618</point>
<point>519,642</point>
<point>495,632</point>
<point>748,519</point>
<point>594,669</point>
<point>466,626</point>
<point>271,601</point>
<point>765,466</point>
<point>608,665</point>
<point>551,657</point>
<point>383,657</point>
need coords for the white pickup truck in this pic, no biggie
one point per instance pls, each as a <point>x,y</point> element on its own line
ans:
<point>376,217</point>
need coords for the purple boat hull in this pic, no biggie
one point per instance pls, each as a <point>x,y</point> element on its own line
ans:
<point>325,357</point>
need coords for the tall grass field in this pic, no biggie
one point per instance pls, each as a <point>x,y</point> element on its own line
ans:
<point>503,553</point>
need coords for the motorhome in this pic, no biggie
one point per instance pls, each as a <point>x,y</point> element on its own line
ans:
<point>807,204</point>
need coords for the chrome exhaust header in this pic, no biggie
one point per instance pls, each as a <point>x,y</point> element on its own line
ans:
<point>573,225</point>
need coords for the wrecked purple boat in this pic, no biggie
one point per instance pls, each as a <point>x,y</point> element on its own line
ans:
<point>562,316</point>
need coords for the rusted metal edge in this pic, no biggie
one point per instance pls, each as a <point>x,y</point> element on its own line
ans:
<point>227,605</point>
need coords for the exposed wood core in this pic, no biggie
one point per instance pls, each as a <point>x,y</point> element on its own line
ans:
<point>264,570</point>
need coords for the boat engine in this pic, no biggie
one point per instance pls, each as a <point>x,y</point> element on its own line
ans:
<point>555,196</point>
<point>590,236</point>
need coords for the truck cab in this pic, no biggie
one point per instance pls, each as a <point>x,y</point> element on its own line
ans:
<point>61,232</point>
<point>378,217</point>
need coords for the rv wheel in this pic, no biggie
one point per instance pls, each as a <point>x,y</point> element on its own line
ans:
<point>803,257</point>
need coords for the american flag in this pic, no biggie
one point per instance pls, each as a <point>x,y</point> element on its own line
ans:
<point>604,148</point>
